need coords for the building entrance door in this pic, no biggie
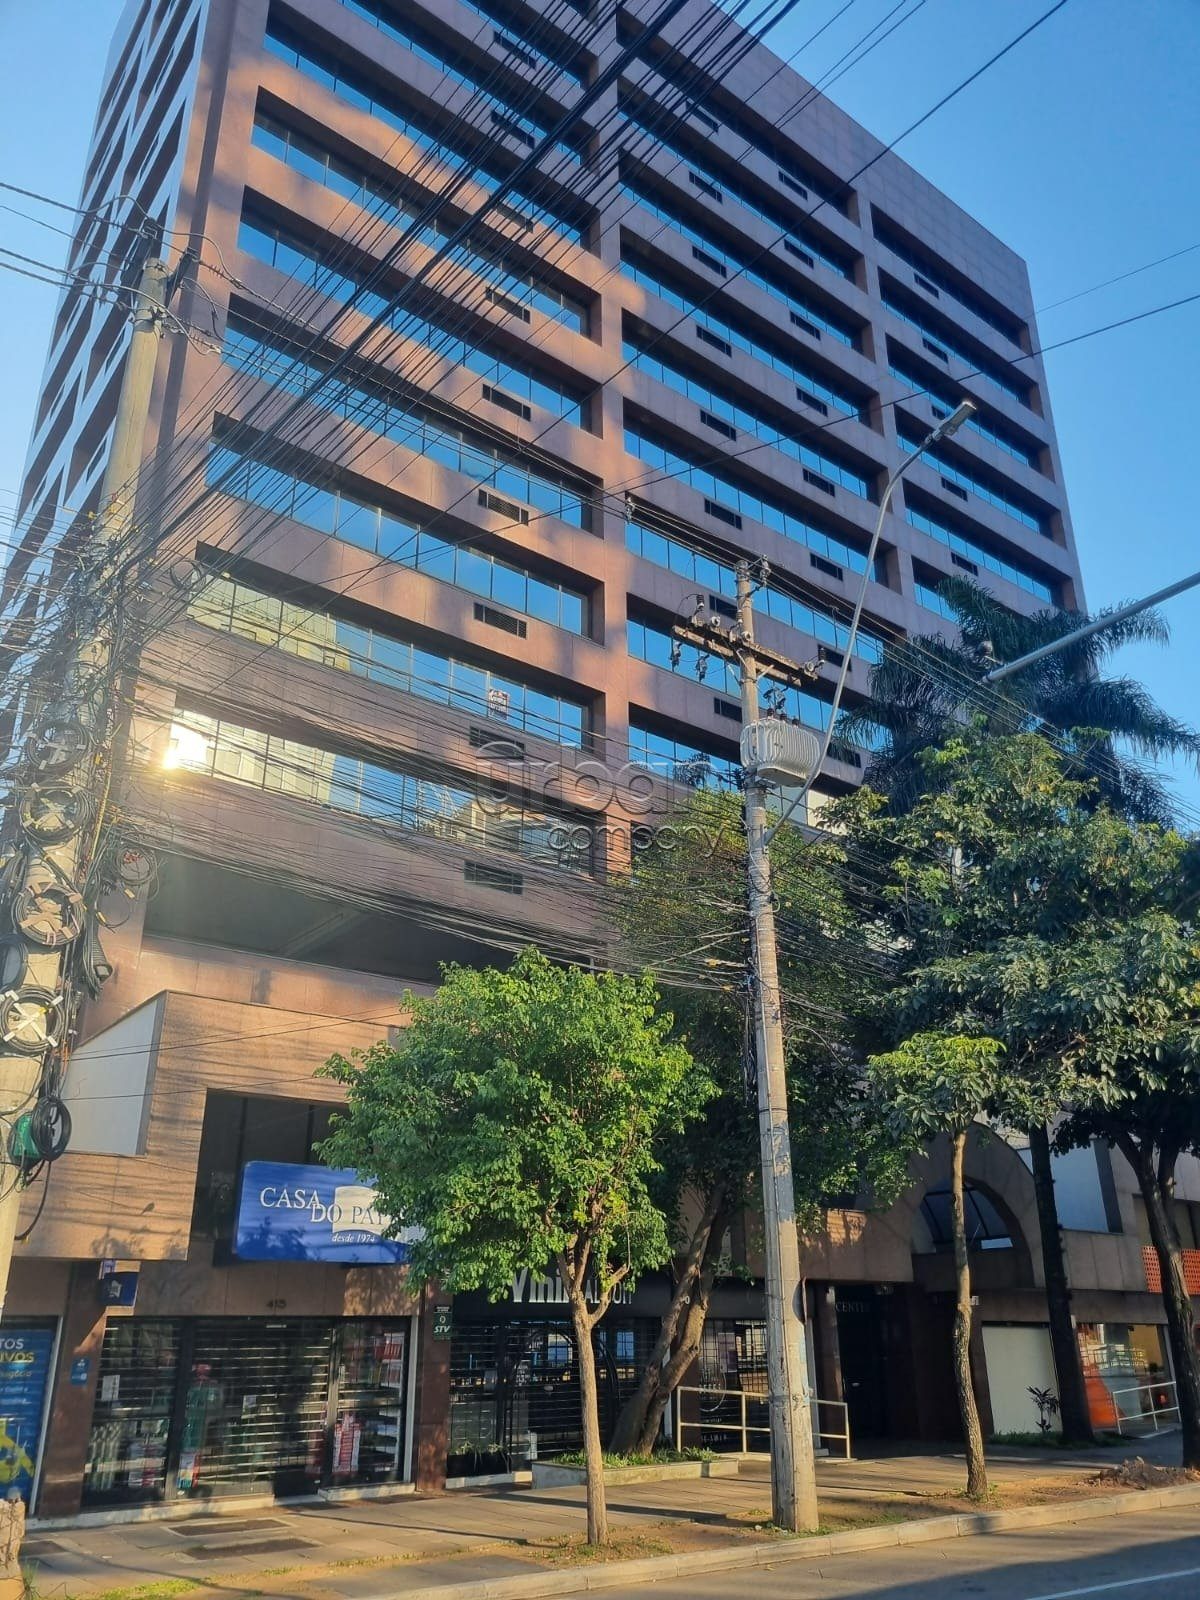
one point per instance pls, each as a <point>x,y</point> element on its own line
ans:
<point>864,1363</point>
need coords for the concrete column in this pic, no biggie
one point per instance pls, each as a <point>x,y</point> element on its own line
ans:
<point>65,1450</point>
<point>828,1351</point>
<point>431,1424</point>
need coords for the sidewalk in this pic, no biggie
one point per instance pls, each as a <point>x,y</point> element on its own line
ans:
<point>387,1547</point>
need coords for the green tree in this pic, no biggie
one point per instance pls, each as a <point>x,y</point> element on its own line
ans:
<point>938,1083</point>
<point>920,688</point>
<point>994,869</point>
<point>517,1122</point>
<point>1133,991</point>
<point>683,916</point>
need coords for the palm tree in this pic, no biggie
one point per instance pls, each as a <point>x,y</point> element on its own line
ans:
<point>922,686</point>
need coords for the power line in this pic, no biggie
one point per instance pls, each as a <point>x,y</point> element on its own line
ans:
<point>848,184</point>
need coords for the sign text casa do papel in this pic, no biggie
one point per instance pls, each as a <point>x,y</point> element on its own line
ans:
<point>288,1212</point>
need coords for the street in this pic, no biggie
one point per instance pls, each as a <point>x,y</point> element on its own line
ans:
<point>1130,1558</point>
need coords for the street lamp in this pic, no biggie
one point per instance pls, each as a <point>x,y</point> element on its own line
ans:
<point>945,428</point>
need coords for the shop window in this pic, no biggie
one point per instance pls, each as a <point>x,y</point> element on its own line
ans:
<point>514,1388</point>
<point>25,1361</point>
<point>227,1406</point>
<point>135,1392</point>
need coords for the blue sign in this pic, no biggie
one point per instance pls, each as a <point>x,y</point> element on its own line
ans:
<point>119,1289</point>
<point>288,1212</point>
<point>81,1369</point>
<point>24,1374</point>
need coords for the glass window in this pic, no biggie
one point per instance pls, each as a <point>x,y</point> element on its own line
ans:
<point>391,660</point>
<point>473,571</point>
<point>510,587</point>
<point>358,523</point>
<point>468,685</point>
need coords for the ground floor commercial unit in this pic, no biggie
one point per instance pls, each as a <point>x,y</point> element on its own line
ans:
<point>357,1387</point>
<point>155,1352</point>
<point>259,1379</point>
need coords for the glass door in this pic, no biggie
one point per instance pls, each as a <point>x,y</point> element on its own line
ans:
<point>368,1402</point>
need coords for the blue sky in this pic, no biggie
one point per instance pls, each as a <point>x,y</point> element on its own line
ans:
<point>1079,150</point>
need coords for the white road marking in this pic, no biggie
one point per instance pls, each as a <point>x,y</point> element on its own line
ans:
<point>1121,1583</point>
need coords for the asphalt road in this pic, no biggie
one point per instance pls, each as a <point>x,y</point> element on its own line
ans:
<point>1151,1555</point>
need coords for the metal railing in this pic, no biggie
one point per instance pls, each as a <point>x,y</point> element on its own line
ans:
<point>1155,1412</point>
<point>741,1428</point>
<point>824,1434</point>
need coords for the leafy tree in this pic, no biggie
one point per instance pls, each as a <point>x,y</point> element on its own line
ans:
<point>994,868</point>
<point>920,688</point>
<point>1134,994</point>
<point>684,917</point>
<point>933,1084</point>
<point>517,1122</point>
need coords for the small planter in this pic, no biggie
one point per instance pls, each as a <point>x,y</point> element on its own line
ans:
<point>552,1475</point>
<point>474,1463</point>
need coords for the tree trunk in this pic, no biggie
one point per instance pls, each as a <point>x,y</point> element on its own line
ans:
<point>589,1403</point>
<point>633,1425</point>
<point>1072,1391</point>
<point>1157,1192</point>
<point>977,1484</point>
<point>687,1346</point>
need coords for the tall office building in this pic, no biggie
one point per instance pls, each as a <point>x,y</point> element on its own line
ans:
<point>398,630</point>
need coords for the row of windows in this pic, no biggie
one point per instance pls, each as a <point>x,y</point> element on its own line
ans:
<point>424,45</point>
<point>657,647</point>
<point>380,16</point>
<point>311,160</point>
<point>381,532</point>
<point>723,261</point>
<point>815,391</point>
<point>732,500</point>
<point>332,76</point>
<point>933,279</point>
<point>799,242</point>
<point>681,762</point>
<point>943,405</point>
<point>800,180</point>
<point>976,554</point>
<point>970,484</point>
<point>933,601</point>
<point>246,350</point>
<point>716,578</point>
<point>721,406</point>
<point>397,799</point>
<point>249,613</point>
<point>939,345</point>
<point>429,434</point>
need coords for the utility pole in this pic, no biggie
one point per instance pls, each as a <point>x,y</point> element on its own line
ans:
<point>60,800</point>
<point>793,1471</point>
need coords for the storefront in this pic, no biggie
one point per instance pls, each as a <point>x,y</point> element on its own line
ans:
<point>310,1389</point>
<point>201,1407</point>
<point>514,1373</point>
<point>26,1361</point>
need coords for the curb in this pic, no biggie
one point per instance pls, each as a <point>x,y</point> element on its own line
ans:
<point>657,1569</point>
